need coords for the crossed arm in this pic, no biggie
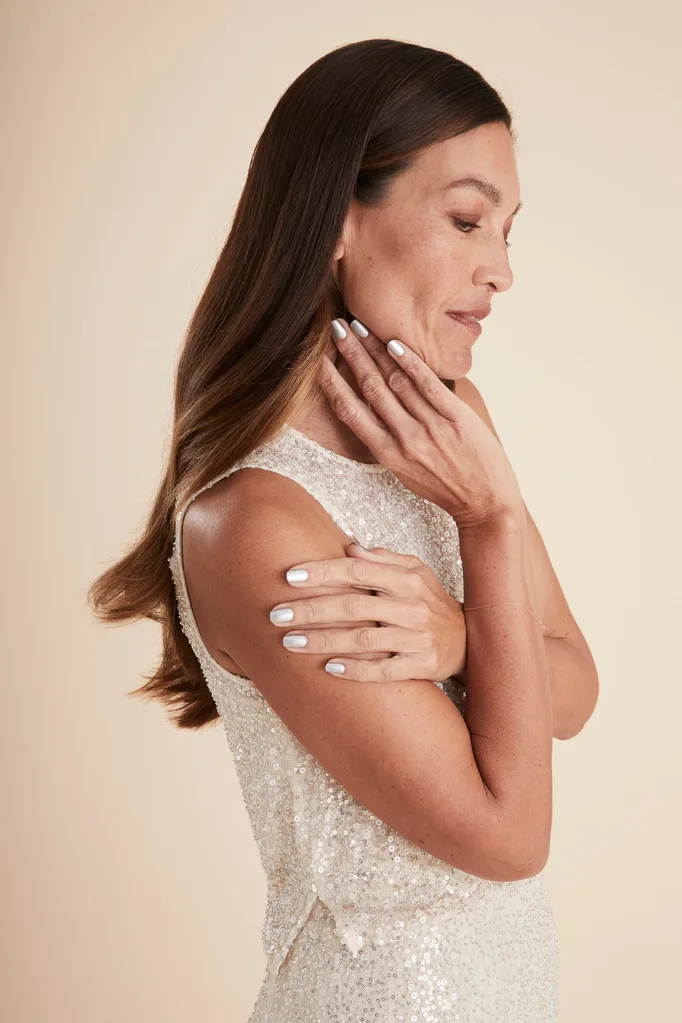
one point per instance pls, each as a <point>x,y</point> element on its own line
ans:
<point>572,672</point>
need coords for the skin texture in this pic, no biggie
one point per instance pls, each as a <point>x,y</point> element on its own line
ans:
<point>476,794</point>
<point>403,265</point>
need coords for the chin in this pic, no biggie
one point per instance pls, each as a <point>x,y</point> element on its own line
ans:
<point>457,365</point>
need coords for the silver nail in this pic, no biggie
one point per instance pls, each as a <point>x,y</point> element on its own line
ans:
<point>295,641</point>
<point>297,575</point>
<point>359,328</point>
<point>281,614</point>
<point>334,668</point>
<point>338,330</point>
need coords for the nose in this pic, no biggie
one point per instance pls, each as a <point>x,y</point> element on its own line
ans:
<point>497,274</point>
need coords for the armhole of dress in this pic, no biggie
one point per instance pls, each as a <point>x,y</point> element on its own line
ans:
<point>185,612</point>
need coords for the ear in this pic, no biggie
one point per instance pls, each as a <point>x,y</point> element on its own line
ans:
<point>340,250</point>
<point>344,238</point>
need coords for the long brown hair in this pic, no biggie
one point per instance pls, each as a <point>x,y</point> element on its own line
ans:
<point>343,130</point>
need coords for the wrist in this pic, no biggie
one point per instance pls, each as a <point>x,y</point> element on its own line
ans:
<point>495,558</point>
<point>508,522</point>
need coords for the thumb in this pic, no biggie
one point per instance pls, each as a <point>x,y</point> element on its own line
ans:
<point>377,553</point>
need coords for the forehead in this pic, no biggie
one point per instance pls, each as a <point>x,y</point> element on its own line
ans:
<point>481,160</point>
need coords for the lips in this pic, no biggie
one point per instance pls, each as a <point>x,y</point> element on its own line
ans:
<point>468,321</point>
<point>480,312</point>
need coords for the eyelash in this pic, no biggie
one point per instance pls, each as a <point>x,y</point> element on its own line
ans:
<point>468,223</point>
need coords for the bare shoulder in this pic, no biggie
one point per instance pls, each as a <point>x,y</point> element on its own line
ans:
<point>230,515</point>
<point>239,538</point>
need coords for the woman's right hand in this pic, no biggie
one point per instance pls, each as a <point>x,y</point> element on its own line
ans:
<point>414,425</point>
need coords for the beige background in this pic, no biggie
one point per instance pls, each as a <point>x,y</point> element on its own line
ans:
<point>132,886</point>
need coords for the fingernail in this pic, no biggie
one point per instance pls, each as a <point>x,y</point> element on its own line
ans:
<point>337,330</point>
<point>334,668</point>
<point>281,614</point>
<point>294,641</point>
<point>395,348</point>
<point>297,575</point>
<point>359,328</point>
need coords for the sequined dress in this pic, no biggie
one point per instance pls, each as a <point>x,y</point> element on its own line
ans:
<point>361,924</point>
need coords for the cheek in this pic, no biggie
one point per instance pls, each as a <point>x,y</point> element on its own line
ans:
<point>389,273</point>
<point>398,282</point>
<point>376,281</point>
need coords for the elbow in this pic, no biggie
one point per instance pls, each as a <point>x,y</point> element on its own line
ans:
<point>527,845</point>
<point>530,867</point>
<point>504,846</point>
<point>513,857</point>
<point>531,856</point>
<point>503,868</point>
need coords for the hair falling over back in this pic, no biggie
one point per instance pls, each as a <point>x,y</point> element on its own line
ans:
<point>343,130</point>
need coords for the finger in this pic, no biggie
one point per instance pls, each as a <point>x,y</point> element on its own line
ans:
<point>349,408</point>
<point>351,607</point>
<point>385,554</point>
<point>372,382</point>
<point>367,639</point>
<point>398,580</point>
<point>392,669</point>
<point>443,400</point>
<point>400,383</point>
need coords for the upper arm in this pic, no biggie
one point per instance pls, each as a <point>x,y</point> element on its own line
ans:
<point>401,749</point>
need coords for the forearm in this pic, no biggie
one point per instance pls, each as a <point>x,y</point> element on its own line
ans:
<point>508,708</point>
<point>573,683</point>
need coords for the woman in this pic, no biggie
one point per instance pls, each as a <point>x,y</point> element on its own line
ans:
<point>398,777</point>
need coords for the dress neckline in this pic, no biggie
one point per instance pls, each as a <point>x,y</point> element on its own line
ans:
<point>334,455</point>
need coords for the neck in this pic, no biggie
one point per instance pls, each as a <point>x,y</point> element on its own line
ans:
<point>321,424</point>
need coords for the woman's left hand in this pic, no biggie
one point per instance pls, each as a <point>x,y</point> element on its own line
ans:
<point>420,622</point>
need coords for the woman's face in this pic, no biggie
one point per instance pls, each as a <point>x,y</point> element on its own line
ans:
<point>406,265</point>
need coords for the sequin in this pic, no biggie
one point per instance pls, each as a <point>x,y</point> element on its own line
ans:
<point>362,926</point>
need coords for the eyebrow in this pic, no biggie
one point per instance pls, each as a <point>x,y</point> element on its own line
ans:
<point>485,187</point>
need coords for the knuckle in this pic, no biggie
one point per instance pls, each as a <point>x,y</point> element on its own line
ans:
<point>398,381</point>
<point>436,431</point>
<point>366,639</point>
<point>428,638</point>
<point>306,611</point>
<point>415,583</point>
<point>345,411</point>
<point>355,605</point>
<point>424,450</point>
<point>414,447</point>
<point>361,671</point>
<point>421,611</point>
<point>319,642</point>
<point>359,571</point>
<point>386,670</point>
<point>326,571</point>
<point>373,387</point>
<point>432,389</point>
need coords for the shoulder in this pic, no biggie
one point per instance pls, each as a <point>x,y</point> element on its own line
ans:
<point>468,391</point>
<point>249,503</point>
<point>239,539</point>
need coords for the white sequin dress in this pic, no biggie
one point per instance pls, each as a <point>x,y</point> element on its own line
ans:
<point>362,926</point>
